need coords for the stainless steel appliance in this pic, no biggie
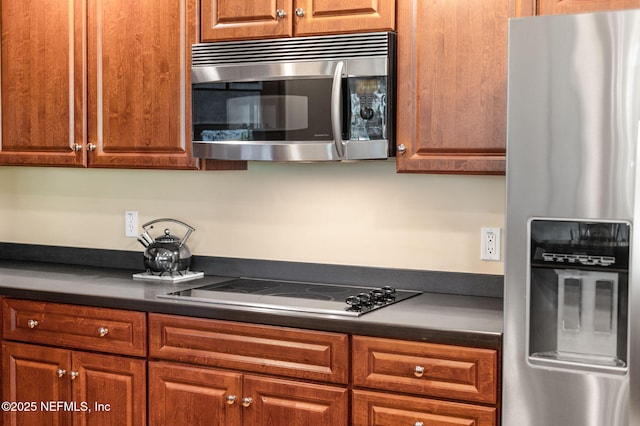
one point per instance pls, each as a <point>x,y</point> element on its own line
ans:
<point>572,290</point>
<point>323,98</point>
<point>304,297</point>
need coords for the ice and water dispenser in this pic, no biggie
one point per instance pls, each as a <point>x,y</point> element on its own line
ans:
<point>578,294</point>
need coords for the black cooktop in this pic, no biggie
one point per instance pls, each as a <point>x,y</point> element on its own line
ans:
<point>295,296</point>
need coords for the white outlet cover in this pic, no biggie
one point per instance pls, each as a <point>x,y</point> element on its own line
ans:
<point>490,243</point>
<point>131,223</point>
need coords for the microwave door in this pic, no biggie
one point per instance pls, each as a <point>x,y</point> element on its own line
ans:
<point>293,113</point>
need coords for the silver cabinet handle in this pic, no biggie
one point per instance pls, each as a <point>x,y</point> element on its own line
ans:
<point>281,13</point>
<point>61,372</point>
<point>103,331</point>
<point>247,401</point>
<point>418,371</point>
<point>91,147</point>
<point>418,424</point>
<point>231,399</point>
<point>74,375</point>
<point>401,148</point>
<point>32,323</point>
<point>299,12</point>
<point>76,147</point>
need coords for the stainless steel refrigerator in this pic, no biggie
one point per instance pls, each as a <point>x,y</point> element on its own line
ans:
<point>572,260</point>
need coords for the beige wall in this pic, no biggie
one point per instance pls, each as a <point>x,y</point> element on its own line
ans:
<point>354,213</point>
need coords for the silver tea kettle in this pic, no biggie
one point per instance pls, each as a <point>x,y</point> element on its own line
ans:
<point>166,253</point>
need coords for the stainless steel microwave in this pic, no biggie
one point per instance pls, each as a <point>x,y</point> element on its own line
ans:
<point>323,98</point>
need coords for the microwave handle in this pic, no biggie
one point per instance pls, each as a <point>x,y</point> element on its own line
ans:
<point>336,109</point>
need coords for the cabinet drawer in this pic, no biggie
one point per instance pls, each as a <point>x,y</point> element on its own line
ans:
<point>280,351</point>
<point>377,408</point>
<point>71,326</point>
<point>445,371</point>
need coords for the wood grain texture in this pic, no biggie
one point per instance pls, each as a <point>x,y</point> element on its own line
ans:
<point>451,112</point>
<point>42,82</point>
<point>138,82</point>
<point>311,355</point>
<point>344,16</point>
<point>30,374</point>
<point>286,402</point>
<point>73,326</point>
<point>117,381</point>
<point>454,372</point>
<point>256,19</point>
<point>201,393</point>
<point>248,19</point>
<point>377,408</point>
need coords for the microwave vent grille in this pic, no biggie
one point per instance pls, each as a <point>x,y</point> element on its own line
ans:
<point>294,49</point>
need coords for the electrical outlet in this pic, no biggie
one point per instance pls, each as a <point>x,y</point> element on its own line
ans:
<point>490,244</point>
<point>131,223</point>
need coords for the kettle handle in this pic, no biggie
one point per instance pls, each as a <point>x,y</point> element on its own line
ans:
<point>190,229</point>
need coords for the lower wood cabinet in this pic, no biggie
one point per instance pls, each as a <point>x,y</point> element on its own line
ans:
<point>192,395</point>
<point>378,408</point>
<point>53,375</point>
<point>198,396</point>
<point>212,376</point>
<point>77,365</point>
<point>403,382</point>
<point>53,386</point>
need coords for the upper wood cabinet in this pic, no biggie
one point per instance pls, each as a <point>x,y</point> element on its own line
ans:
<point>137,54</point>
<point>554,7</point>
<point>42,80</point>
<point>452,80</point>
<point>251,19</point>
<point>97,83</point>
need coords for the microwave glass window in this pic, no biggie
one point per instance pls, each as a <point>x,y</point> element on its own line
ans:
<point>284,113</point>
<point>284,110</point>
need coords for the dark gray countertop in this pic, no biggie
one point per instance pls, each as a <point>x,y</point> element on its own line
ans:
<point>435,317</point>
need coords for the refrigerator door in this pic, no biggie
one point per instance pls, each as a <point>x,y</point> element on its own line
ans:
<point>572,136</point>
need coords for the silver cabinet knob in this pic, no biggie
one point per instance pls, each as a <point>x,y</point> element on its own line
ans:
<point>247,401</point>
<point>61,372</point>
<point>231,399</point>
<point>418,371</point>
<point>418,424</point>
<point>32,323</point>
<point>401,148</point>
<point>281,13</point>
<point>76,147</point>
<point>299,12</point>
<point>91,147</point>
<point>103,331</point>
<point>74,375</point>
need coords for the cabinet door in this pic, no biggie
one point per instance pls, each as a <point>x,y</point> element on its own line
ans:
<point>343,16</point>
<point>196,396</point>
<point>552,7</point>
<point>42,83</point>
<point>139,82</point>
<point>114,387</point>
<point>247,19</point>
<point>285,402</point>
<point>376,408</point>
<point>452,78</point>
<point>35,374</point>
